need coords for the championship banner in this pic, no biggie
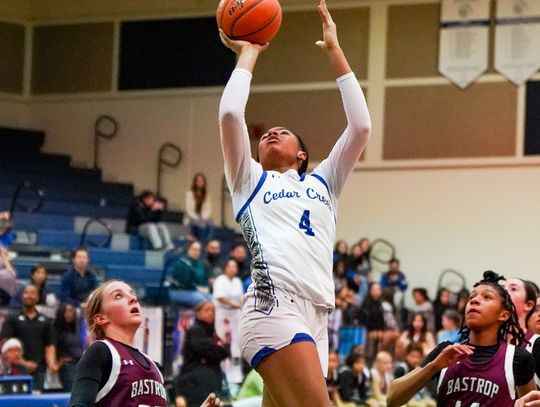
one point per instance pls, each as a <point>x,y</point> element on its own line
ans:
<point>149,337</point>
<point>517,39</point>
<point>464,38</point>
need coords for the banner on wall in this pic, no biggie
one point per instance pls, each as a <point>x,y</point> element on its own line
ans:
<point>464,38</point>
<point>517,39</point>
<point>149,337</point>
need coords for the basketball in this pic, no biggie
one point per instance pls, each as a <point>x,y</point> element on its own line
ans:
<point>256,21</point>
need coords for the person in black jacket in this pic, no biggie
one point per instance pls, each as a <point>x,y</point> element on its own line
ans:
<point>144,219</point>
<point>203,352</point>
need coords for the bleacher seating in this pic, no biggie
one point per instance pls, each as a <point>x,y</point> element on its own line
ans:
<point>72,196</point>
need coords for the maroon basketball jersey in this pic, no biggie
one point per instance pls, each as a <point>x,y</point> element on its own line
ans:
<point>469,384</point>
<point>130,384</point>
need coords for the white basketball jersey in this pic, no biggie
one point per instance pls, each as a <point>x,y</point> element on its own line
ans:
<point>288,222</point>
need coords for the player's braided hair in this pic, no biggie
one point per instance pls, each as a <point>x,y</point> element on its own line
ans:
<point>511,325</point>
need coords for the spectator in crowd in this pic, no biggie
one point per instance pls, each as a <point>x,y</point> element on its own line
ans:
<point>69,347</point>
<point>79,281</point>
<point>423,305</point>
<point>417,332</point>
<point>228,293</point>
<point>8,277</point>
<point>379,335</point>
<point>355,382</point>
<point>143,219</point>
<point>212,260</point>
<point>36,334</point>
<point>394,283</point>
<point>339,272</point>
<point>340,251</point>
<point>12,358</point>
<point>7,236</point>
<point>251,391</point>
<point>203,352</point>
<point>413,356</point>
<point>440,305</point>
<point>358,272</point>
<point>188,277</point>
<point>332,377</point>
<point>451,321</point>
<point>38,277</point>
<point>240,255</point>
<point>365,245</point>
<point>199,210</point>
<point>381,376</point>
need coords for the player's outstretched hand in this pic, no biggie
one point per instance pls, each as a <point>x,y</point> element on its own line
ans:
<point>330,39</point>
<point>453,354</point>
<point>237,46</point>
<point>529,400</point>
<point>212,401</point>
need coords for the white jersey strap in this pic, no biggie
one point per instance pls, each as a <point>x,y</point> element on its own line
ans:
<point>441,378</point>
<point>509,370</point>
<point>115,371</point>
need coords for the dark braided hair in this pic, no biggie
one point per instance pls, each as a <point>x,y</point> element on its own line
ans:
<point>511,325</point>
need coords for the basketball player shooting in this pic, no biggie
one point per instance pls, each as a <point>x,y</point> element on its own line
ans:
<point>288,219</point>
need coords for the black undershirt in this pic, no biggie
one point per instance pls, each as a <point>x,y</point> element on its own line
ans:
<point>93,371</point>
<point>523,364</point>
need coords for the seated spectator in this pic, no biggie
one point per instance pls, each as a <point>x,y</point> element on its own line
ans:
<point>79,281</point>
<point>394,283</point>
<point>69,347</point>
<point>374,311</point>
<point>8,278</point>
<point>355,382</point>
<point>451,322</point>
<point>12,358</point>
<point>332,382</point>
<point>423,305</point>
<point>251,391</point>
<point>240,255</point>
<point>462,300</point>
<point>418,333</point>
<point>35,332</point>
<point>203,352</point>
<point>340,251</point>
<point>199,210</point>
<point>212,260</point>
<point>381,376</point>
<point>440,305</point>
<point>144,220</point>
<point>188,277</point>
<point>38,277</point>
<point>358,272</point>
<point>228,293</point>
<point>413,356</point>
<point>339,273</point>
<point>7,236</point>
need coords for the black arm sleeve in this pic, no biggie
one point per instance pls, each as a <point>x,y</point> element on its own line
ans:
<point>92,373</point>
<point>536,356</point>
<point>523,367</point>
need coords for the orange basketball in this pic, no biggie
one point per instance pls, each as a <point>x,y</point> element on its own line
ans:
<point>256,21</point>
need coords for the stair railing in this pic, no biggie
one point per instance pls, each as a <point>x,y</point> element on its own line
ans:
<point>164,160</point>
<point>15,200</point>
<point>105,127</point>
<point>87,242</point>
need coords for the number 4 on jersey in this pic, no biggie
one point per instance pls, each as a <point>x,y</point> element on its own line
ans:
<point>305,224</point>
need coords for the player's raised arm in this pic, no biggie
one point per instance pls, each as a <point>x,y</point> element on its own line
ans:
<point>233,130</point>
<point>349,147</point>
